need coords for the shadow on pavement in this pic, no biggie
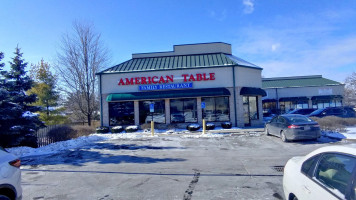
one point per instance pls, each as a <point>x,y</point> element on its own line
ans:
<point>78,157</point>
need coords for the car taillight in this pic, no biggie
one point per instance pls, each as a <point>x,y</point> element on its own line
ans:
<point>16,163</point>
<point>293,126</point>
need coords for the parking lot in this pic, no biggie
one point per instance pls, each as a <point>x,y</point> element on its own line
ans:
<point>233,166</point>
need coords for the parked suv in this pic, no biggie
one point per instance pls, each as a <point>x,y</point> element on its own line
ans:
<point>10,176</point>
<point>344,112</point>
<point>302,111</point>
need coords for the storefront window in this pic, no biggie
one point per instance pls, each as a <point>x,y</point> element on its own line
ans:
<point>183,110</point>
<point>250,109</point>
<point>287,106</point>
<point>326,103</point>
<point>159,115</point>
<point>216,109</point>
<point>121,113</point>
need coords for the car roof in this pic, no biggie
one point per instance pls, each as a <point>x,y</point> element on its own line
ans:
<point>292,115</point>
<point>348,149</point>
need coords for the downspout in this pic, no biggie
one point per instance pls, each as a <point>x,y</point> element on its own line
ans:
<point>234,91</point>
<point>277,102</point>
<point>101,102</point>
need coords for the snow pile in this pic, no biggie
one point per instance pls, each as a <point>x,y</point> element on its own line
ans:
<point>349,134</point>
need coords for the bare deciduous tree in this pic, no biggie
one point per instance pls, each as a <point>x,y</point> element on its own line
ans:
<point>81,56</point>
<point>350,90</point>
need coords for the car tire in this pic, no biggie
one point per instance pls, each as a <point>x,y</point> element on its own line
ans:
<point>3,197</point>
<point>283,137</point>
<point>267,132</point>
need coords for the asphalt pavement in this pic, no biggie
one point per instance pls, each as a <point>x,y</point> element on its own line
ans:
<point>235,166</point>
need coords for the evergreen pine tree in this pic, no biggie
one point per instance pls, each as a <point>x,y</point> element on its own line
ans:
<point>19,120</point>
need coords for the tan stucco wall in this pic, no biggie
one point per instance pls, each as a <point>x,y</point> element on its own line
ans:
<point>244,77</point>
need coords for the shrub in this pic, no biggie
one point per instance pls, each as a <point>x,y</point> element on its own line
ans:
<point>82,130</point>
<point>117,129</point>
<point>131,129</point>
<point>102,129</point>
<point>333,123</point>
<point>60,133</point>
<point>193,127</point>
<point>226,125</point>
<point>210,126</point>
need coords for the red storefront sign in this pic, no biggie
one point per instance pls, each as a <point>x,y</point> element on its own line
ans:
<point>166,79</point>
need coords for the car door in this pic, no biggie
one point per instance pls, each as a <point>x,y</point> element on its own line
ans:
<point>271,126</point>
<point>332,177</point>
<point>281,123</point>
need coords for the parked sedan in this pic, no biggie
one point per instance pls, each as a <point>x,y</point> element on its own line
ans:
<point>293,127</point>
<point>10,176</point>
<point>326,173</point>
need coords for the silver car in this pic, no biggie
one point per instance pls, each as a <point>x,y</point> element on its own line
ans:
<point>10,176</point>
<point>293,127</point>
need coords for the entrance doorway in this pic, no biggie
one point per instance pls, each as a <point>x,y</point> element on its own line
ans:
<point>250,109</point>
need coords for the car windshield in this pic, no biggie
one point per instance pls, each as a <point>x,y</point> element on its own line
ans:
<point>298,119</point>
<point>317,112</point>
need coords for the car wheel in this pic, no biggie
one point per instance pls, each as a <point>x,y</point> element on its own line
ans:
<point>3,197</point>
<point>267,132</point>
<point>283,137</point>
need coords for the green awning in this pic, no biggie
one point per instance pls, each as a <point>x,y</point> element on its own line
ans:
<point>168,94</point>
<point>268,100</point>
<point>326,97</point>
<point>251,91</point>
<point>294,99</point>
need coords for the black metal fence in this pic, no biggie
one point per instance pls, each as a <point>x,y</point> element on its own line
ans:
<point>43,137</point>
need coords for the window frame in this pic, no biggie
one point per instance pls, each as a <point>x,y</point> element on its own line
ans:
<point>119,102</point>
<point>153,100</point>
<point>215,97</point>
<point>183,111</point>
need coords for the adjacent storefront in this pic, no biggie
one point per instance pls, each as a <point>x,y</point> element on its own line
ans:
<point>191,83</point>
<point>288,93</point>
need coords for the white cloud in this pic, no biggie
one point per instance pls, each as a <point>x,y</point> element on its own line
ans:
<point>220,16</point>
<point>300,48</point>
<point>249,6</point>
<point>274,47</point>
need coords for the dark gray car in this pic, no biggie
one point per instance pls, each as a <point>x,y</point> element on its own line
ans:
<point>293,127</point>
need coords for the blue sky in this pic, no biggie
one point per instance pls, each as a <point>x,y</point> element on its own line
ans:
<point>286,38</point>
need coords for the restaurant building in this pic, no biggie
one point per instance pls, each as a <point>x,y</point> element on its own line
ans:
<point>191,83</point>
<point>287,93</point>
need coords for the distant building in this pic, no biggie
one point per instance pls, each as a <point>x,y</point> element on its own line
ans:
<point>286,93</point>
<point>191,83</point>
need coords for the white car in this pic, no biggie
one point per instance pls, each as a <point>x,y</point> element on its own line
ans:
<point>10,176</point>
<point>326,173</point>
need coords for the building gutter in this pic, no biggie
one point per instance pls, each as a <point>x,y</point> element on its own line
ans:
<point>234,88</point>
<point>101,102</point>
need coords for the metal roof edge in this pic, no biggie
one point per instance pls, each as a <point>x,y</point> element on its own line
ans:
<point>151,70</point>
<point>291,77</point>
<point>301,86</point>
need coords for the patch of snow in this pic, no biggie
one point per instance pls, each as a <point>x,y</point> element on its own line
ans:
<point>29,114</point>
<point>349,134</point>
<point>208,135</point>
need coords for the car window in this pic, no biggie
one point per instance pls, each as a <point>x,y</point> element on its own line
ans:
<point>274,120</point>
<point>298,119</point>
<point>334,171</point>
<point>281,120</point>
<point>309,165</point>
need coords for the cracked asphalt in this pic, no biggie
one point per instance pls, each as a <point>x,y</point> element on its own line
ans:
<point>165,167</point>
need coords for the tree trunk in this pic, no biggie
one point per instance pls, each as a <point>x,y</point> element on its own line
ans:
<point>89,119</point>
